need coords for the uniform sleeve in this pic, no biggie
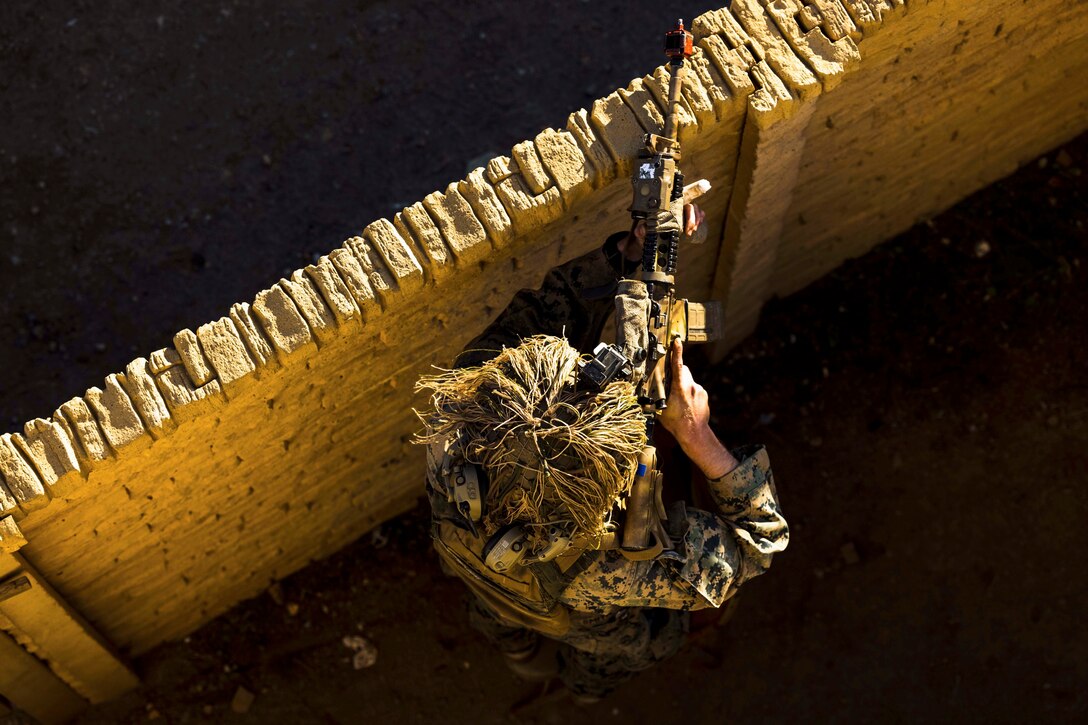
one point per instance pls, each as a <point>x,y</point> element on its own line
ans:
<point>574,301</point>
<point>715,555</point>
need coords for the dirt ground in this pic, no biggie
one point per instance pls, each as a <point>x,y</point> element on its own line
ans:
<point>926,406</point>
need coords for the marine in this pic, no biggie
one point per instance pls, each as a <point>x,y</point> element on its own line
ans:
<point>527,475</point>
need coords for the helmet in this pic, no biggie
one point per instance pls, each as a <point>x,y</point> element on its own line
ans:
<point>557,457</point>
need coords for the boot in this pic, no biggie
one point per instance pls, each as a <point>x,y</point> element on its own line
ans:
<point>539,663</point>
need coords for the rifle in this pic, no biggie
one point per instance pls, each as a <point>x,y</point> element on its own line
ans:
<point>648,314</point>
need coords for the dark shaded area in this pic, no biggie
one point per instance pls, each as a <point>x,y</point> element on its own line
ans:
<point>926,406</point>
<point>162,160</point>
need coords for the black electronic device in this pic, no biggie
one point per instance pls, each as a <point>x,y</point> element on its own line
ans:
<point>607,364</point>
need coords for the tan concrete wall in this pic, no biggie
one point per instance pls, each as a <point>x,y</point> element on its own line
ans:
<point>901,108</point>
<point>280,432</point>
<point>956,97</point>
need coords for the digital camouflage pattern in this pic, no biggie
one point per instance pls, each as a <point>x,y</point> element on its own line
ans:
<point>627,615</point>
<point>602,650</point>
<point>714,554</point>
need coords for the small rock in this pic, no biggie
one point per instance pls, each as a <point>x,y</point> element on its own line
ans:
<point>849,553</point>
<point>366,654</point>
<point>378,539</point>
<point>276,592</point>
<point>982,249</point>
<point>1065,270</point>
<point>242,701</point>
<point>1063,158</point>
<point>292,608</point>
<point>1043,162</point>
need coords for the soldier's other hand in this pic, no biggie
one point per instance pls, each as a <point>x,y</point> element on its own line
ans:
<point>687,417</point>
<point>631,246</point>
<point>693,218</point>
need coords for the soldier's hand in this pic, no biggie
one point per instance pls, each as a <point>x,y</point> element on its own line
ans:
<point>631,246</point>
<point>693,218</point>
<point>687,417</point>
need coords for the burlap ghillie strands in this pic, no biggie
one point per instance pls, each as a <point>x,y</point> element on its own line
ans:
<point>553,454</point>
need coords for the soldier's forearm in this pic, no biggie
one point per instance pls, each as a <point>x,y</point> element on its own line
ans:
<point>708,453</point>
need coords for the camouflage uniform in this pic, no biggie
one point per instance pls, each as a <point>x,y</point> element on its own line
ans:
<point>627,615</point>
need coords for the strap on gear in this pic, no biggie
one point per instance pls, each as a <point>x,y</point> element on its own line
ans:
<point>554,579</point>
<point>524,596</point>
